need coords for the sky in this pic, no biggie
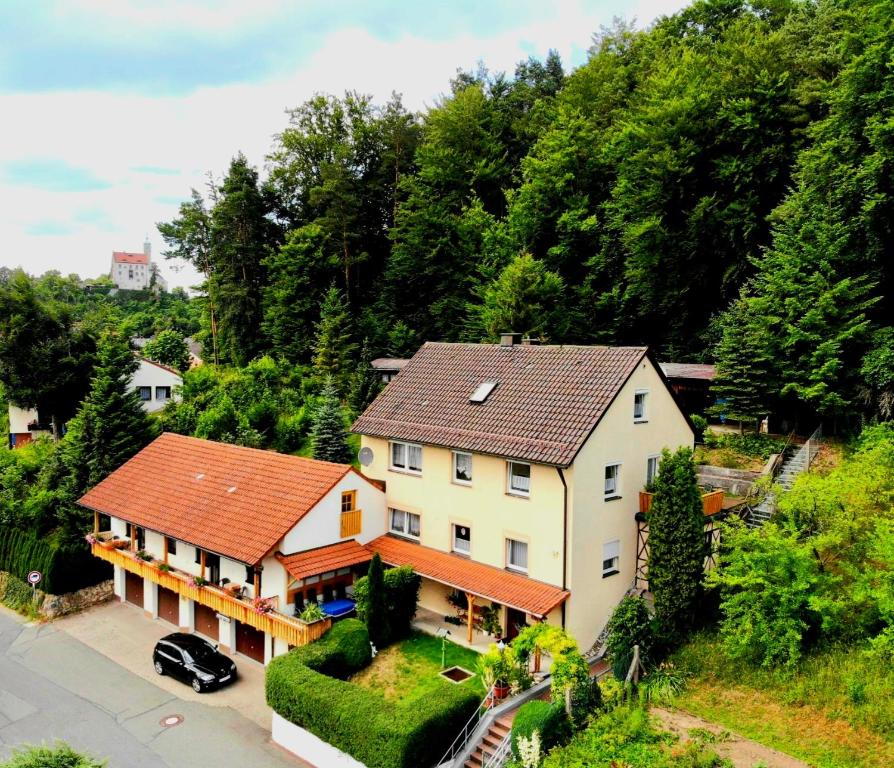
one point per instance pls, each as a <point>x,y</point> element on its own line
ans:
<point>112,111</point>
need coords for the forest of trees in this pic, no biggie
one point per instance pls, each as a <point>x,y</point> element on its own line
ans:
<point>717,186</point>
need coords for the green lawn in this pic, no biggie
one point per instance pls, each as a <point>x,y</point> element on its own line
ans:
<point>837,711</point>
<point>409,669</point>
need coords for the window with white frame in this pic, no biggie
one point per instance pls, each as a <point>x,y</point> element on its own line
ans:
<point>462,539</point>
<point>519,478</point>
<point>406,457</point>
<point>612,480</point>
<point>517,555</point>
<point>639,405</point>
<point>462,468</point>
<point>651,469</point>
<point>404,523</point>
<point>611,558</point>
<point>162,393</point>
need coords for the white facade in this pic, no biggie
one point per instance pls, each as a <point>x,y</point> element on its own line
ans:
<point>155,384</point>
<point>133,271</point>
<point>319,527</point>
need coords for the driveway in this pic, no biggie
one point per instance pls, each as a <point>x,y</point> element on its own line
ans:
<point>53,686</point>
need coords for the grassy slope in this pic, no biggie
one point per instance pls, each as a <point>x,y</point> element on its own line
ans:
<point>409,669</point>
<point>836,712</point>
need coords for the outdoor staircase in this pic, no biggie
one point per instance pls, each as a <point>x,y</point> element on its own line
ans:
<point>491,742</point>
<point>796,460</point>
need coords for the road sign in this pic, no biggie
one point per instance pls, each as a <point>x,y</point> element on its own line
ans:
<point>34,578</point>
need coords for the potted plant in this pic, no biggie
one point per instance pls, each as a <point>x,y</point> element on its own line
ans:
<point>145,556</point>
<point>490,621</point>
<point>262,605</point>
<point>496,668</point>
<point>312,613</point>
<point>196,581</point>
<point>164,567</point>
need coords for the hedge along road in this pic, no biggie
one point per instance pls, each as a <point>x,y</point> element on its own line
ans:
<point>54,687</point>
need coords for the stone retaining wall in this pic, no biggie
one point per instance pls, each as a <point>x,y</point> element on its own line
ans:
<point>53,606</point>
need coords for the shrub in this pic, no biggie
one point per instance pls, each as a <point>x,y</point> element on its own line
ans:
<point>701,424</point>
<point>65,568</point>
<point>401,595</point>
<point>307,687</point>
<point>547,719</point>
<point>629,625</point>
<point>59,756</point>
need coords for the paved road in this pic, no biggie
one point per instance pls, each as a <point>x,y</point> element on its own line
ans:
<point>54,687</point>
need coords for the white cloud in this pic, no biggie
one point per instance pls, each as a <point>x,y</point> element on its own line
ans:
<point>112,135</point>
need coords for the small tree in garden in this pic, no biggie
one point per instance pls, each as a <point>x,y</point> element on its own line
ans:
<point>676,545</point>
<point>629,625</point>
<point>328,435</point>
<point>401,587</point>
<point>376,621</point>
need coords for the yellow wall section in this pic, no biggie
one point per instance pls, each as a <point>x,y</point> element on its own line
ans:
<point>492,514</point>
<point>593,520</point>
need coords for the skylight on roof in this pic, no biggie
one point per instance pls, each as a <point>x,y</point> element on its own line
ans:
<point>483,391</point>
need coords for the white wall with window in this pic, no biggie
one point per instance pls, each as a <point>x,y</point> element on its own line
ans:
<point>403,523</point>
<point>611,558</point>
<point>640,403</point>
<point>517,555</point>
<point>462,539</point>
<point>462,468</point>
<point>406,457</point>
<point>519,480</point>
<point>612,488</point>
<point>156,385</point>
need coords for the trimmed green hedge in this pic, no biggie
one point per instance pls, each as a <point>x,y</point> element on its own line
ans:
<point>65,569</point>
<point>303,686</point>
<point>547,718</point>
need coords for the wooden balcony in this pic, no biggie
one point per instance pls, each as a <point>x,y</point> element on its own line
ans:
<point>287,628</point>
<point>712,502</point>
<point>351,523</point>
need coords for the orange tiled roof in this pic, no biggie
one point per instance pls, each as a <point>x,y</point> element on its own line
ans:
<point>237,502</point>
<point>485,581</point>
<point>547,401</point>
<point>127,257</point>
<point>323,559</point>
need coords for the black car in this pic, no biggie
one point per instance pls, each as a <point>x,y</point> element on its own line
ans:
<point>194,661</point>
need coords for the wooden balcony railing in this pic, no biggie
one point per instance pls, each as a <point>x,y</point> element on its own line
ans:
<point>293,631</point>
<point>351,523</point>
<point>712,502</point>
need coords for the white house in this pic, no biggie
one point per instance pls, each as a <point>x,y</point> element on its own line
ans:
<point>253,523</point>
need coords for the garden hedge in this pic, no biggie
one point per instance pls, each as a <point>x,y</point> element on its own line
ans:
<point>305,688</point>
<point>547,718</point>
<point>65,568</point>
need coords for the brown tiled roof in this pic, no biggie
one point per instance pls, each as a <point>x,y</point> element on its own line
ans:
<point>547,401</point>
<point>323,559</point>
<point>459,572</point>
<point>237,502</point>
<point>688,371</point>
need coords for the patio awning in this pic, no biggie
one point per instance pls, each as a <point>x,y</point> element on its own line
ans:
<point>478,579</point>
<point>313,562</point>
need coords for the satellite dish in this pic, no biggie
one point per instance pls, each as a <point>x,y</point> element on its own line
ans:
<point>365,456</point>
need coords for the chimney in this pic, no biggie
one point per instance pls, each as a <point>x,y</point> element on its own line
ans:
<point>531,341</point>
<point>147,248</point>
<point>509,339</point>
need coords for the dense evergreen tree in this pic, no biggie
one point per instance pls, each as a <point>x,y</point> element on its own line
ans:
<point>333,348</point>
<point>241,236</point>
<point>365,382</point>
<point>109,428</point>
<point>676,545</point>
<point>376,618</point>
<point>328,436</point>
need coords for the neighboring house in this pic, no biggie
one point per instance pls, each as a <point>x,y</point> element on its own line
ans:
<point>388,367</point>
<point>253,523</point>
<point>513,474</point>
<point>195,351</point>
<point>691,383</point>
<point>155,384</point>
<point>24,426</point>
<point>132,271</point>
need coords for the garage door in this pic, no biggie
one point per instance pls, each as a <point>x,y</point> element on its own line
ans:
<point>168,606</point>
<point>207,622</point>
<point>133,588</point>
<point>250,642</point>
